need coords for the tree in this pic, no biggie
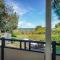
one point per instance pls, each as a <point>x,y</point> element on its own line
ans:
<point>8,18</point>
<point>40,30</point>
<point>56,7</point>
<point>11,22</point>
<point>57,25</point>
<point>3,15</point>
<point>57,28</point>
<point>38,34</point>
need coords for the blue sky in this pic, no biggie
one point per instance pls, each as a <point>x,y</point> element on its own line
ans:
<point>31,13</point>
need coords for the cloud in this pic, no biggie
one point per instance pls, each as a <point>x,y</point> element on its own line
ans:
<point>25,24</point>
<point>19,8</point>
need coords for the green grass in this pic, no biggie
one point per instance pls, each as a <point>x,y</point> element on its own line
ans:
<point>38,37</point>
<point>55,37</point>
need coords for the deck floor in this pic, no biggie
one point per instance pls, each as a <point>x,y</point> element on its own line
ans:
<point>11,54</point>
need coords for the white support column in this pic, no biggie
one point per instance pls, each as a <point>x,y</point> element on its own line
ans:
<point>48,55</point>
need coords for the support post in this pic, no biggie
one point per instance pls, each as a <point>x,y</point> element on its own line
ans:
<point>48,51</point>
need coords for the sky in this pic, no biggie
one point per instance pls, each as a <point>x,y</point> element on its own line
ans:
<point>31,13</point>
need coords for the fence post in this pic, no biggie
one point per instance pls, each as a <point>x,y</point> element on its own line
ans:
<point>54,50</point>
<point>2,48</point>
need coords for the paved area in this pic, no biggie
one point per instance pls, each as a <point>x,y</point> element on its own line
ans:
<point>11,54</point>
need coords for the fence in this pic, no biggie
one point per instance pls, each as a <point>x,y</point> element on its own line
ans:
<point>3,40</point>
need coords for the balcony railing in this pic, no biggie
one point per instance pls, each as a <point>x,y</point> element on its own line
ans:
<point>34,46</point>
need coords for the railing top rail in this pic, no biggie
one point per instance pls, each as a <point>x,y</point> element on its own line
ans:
<point>58,44</point>
<point>20,40</point>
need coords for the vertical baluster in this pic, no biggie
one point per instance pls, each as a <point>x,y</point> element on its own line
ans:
<point>20,45</point>
<point>29,45</point>
<point>53,50</point>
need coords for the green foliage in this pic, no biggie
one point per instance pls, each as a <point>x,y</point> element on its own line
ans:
<point>13,35</point>
<point>57,29</point>
<point>37,37</point>
<point>57,25</point>
<point>38,34</point>
<point>56,32</point>
<point>56,7</point>
<point>2,15</point>
<point>12,23</point>
<point>55,38</point>
<point>8,20</point>
<point>39,30</point>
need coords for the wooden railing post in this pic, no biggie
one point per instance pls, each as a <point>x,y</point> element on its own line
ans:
<point>54,50</point>
<point>2,48</point>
